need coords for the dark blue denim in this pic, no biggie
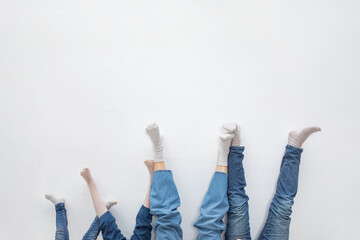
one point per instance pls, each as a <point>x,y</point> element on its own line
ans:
<point>278,221</point>
<point>93,231</point>
<point>164,201</point>
<point>142,231</point>
<point>62,232</point>
<point>238,226</point>
<point>210,223</point>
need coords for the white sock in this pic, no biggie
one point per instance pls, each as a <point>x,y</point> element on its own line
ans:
<point>234,129</point>
<point>298,137</point>
<point>225,142</point>
<point>54,199</point>
<point>109,204</point>
<point>154,134</point>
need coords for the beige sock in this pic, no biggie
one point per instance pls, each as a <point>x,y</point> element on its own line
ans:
<point>298,137</point>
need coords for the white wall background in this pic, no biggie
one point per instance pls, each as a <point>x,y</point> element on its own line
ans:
<point>80,80</point>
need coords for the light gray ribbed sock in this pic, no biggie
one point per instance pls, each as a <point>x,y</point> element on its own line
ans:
<point>298,137</point>
<point>234,129</point>
<point>225,142</point>
<point>109,204</point>
<point>54,199</point>
<point>154,134</point>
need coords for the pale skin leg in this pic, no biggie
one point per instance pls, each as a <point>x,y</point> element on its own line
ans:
<point>99,205</point>
<point>150,165</point>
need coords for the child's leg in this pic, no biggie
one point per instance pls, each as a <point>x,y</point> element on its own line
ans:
<point>143,226</point>
<point>278,222</point>
<point>62,232</point>
<point>238,226</point>
<point>215,204</point>
<point>164,197</point>
<point>110,230</point>
<point>94,229</point>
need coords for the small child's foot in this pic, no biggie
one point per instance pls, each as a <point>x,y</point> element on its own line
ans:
<point>109,204</point>
<point>54,199</point>
<point>234,129</point>
<point>298,137</point>
<point>150,165</point>
<point>85,173</point>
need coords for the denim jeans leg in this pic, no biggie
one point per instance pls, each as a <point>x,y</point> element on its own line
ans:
<point>210,223</point>
<point>238,225</point>
<point>164,201</point>
<point>93,231</point>
<point>62,232</point>
<point>109,229</point>
<point>143,226</point>
<point>278,222</point>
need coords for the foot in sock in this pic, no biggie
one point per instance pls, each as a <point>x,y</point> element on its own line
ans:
<point>150,166</point>
<point>154,134</point>
<point>109,204</point>
<point>298,137</point>
<point>234,129</point>
<point>85,173</point>
<point>54,199</point>
<point>225,142</point>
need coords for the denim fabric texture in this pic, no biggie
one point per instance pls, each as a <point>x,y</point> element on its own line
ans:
<point>164,201</point>
<point>238,226</point>
<point>210,223</point>
<point>110,230</point>
<point>62,232</point>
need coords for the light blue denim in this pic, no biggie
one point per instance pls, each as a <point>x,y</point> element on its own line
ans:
<point>238,226</point>
<point>62,232</point>
<point>210,223</point>
<point>278,221</point>
<point>164,201</point>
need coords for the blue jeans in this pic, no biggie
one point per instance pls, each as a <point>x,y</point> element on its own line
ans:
<point>110,230</point>
<point>106,224</point>
<point>213,209</point>
<point>62,232</point>
<point>238,226</point>
<point>164,201</point>
<point>278,222</point>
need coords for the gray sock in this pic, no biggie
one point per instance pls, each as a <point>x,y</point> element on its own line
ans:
<point>298,137</point>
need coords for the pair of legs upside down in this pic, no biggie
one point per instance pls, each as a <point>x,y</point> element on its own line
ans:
<point>226,194</point>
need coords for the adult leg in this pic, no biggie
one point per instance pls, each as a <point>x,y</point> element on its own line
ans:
<point>164,197</point>
<point>215,204</point>
<point>238,225</point>
<point>94,229</point>
<point>278,222</point>
<point>143,226</point>
<point>108,227</point>
<point>62,232</point>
